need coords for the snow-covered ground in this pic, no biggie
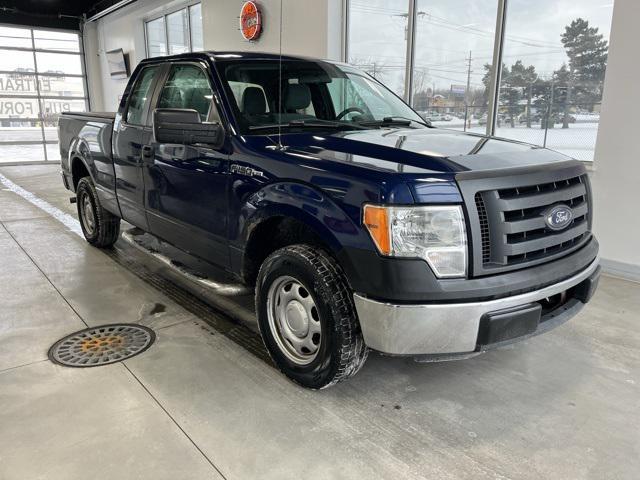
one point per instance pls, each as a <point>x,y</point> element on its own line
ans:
<point>577,141</point>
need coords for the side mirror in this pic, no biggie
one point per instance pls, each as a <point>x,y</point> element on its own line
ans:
<point>184,127</point>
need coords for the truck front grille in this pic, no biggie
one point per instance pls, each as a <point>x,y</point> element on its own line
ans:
<point>484,229</point>
<point>520,221</point>
<point>511,231</point>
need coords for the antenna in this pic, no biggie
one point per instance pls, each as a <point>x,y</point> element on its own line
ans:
<point>280,92</point>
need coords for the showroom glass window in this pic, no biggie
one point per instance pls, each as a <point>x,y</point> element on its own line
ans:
<point>177,32</point>
<point>453,52</point>
<point>554,56</point>
<point>554,62</point>
<point>41,76</point>
<point>378,40</point>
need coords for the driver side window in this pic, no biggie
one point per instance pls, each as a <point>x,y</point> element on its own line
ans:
<point>188,87</point>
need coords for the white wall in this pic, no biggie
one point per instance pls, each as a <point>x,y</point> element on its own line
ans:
<point>121,29</point>
<point>92,62</point>
<point>616,179</point>
<point>312,28</point>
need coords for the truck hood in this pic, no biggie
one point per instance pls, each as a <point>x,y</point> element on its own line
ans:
<point>420,151</point>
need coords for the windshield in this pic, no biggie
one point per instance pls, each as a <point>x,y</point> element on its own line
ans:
<point>312,95</point>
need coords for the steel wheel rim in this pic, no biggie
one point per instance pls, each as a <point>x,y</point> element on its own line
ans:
<point>294,320</point>
<point>88,217</point>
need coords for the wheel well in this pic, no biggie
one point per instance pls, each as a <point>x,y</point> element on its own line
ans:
<point>78,171</point>
<point>271,235</point>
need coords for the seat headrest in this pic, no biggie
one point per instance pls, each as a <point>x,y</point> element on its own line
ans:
<point>253,101</point>
<point>196,98</point>
<point>171,97</point>
<point>297,97</point>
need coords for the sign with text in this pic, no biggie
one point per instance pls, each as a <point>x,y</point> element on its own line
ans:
<point>458,90</point>
<point>17,87</point>
<point>250,21</point>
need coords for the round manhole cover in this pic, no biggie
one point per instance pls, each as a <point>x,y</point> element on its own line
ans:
<point>101,345</point>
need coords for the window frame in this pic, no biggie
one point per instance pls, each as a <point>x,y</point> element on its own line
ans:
<point>39,97</point>
<point>165,14</point>
<point>146,34</point>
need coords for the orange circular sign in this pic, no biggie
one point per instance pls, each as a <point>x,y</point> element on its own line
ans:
<point>250,21</point>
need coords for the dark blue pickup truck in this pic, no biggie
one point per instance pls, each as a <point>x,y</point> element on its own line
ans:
<point>360,226</point>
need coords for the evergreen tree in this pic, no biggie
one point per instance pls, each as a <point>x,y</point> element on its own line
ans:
<point>551,97</point>
<point>516,84</point>
<point>486,80</point>
<point>510,94</point>
<point>587,51</point>
<point>523,78</point>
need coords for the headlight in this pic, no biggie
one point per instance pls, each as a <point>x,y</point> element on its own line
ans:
<point>435,234</point>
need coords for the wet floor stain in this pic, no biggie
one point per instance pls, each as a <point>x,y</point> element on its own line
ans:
<point>157,308</point>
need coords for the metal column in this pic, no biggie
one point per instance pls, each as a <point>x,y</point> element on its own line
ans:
<point>496,74</point>
<point>411,35</point>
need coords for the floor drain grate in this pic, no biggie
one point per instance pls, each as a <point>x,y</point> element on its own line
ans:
<point>101,345</point>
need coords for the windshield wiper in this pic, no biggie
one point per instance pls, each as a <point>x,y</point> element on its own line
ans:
<point>393,121</point>
<point>316,123</point>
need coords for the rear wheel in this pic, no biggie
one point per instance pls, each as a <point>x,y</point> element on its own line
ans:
<point>307,318</point>
<point>100,227</point>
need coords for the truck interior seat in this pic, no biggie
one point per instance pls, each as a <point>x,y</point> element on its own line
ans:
<point>171,97</point>
<point>297,97</point>
<point>199,99</point>
<point>253,101</point>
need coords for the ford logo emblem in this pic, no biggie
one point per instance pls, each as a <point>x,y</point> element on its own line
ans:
<point>558,217</point>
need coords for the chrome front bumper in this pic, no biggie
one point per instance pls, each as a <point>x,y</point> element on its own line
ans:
<point>445,328</point>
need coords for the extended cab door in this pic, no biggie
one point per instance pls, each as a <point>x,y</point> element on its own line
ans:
<point>186,185</point>
<point>132,130</point>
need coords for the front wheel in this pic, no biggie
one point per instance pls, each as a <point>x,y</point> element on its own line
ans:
<point>100,227</point>
<point>307,317</point>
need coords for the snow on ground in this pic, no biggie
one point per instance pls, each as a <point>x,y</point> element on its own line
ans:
<point>577,141</point>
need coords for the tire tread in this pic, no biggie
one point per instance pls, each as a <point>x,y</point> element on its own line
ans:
<point>108,225</point>
<point>353,352</point>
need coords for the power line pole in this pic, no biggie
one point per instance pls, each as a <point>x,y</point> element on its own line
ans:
<point>469,72</point>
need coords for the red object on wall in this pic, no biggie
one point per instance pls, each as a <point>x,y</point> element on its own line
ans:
<point>250,21</point>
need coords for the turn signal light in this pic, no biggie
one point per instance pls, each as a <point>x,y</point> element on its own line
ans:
<point>376,219</point>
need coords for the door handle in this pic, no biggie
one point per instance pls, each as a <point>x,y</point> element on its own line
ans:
<point>147,153</point>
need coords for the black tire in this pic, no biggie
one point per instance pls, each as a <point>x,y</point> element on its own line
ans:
<point>341,352</point>
<point>103,229</point>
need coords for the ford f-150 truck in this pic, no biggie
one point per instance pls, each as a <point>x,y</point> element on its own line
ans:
<point>360,226</point>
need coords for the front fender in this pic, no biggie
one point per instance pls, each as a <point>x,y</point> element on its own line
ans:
<point>338,225</point>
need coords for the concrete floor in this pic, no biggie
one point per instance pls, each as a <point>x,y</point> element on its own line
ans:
<point>203,401</point>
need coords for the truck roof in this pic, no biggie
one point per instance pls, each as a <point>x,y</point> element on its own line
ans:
<point>232,55</point>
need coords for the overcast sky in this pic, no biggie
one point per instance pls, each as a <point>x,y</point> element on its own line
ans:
<point>448,29</point>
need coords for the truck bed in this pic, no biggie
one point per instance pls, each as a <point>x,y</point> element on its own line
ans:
<point>87,135</point>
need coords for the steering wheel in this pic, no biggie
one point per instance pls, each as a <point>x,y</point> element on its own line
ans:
<point>349,110</point>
